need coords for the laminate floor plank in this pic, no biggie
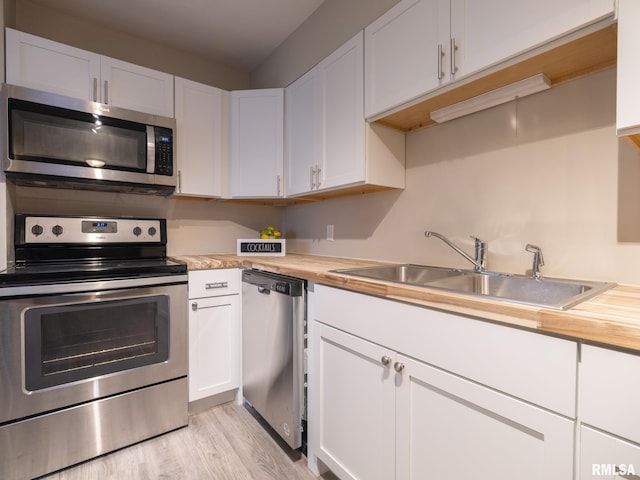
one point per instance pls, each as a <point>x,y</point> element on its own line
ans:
<point>223,443</point>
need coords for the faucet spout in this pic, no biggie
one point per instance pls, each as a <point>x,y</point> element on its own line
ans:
<point>479,262</point>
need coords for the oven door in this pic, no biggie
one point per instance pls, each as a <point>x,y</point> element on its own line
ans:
<point>62,350</point>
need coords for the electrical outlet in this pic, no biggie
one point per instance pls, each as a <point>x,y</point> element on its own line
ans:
<point>330,232</point>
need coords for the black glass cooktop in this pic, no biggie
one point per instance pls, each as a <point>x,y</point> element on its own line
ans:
<point>75,271</point>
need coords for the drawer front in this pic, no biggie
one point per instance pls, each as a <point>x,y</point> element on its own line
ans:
<point>215,282</point>
<point>604,456</point>
<point>609,391</point>
<point>534,367</point>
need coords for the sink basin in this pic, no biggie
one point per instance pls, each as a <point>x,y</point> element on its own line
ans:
<point>409,274</point>
<point>543,292</point>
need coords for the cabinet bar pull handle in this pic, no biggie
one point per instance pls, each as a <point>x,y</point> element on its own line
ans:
<point>454,49</point>
<point>318,182</point>
<point>106,91</point>
<point>398,366</point>
<point>194,306</point>
<point>95,89</point>
<point>211,286</point>
<point>386,360</point>
<point>312,177</point>
<point>179,182</point>
<point>440,59</point>
<point>278,184</point>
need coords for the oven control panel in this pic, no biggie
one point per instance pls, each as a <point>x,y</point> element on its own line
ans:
<point>87,230</point>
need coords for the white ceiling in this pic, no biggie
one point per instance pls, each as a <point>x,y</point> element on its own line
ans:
<point>238,33</point>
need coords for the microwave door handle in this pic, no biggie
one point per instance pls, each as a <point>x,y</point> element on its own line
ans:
<point>151,149</point>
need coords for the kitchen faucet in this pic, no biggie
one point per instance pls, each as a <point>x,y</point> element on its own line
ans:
<point>481,250</point>
<point>538,259</point>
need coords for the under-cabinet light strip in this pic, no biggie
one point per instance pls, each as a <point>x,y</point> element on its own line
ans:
<point>501,95</point>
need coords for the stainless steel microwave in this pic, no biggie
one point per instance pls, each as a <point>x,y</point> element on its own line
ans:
<point>56,141</point>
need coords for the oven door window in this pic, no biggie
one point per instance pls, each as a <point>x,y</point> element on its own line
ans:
<point>67,343</point>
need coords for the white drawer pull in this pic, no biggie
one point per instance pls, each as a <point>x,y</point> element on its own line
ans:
<point>211,286</point>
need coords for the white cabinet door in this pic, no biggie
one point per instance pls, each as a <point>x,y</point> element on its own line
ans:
<point>257,143</point>
<point>38,63</point>
<point>406,53</point>
<point>495,30</point>
<point>356,403</point>
<point>609,391</point>
<point>451,428</point>
<point>134,87</point>
<point>303,118</point>
<point>343,124</point>
<point>50,66</point>
<point>201,118</point>
<point>605,456</point>
<point>628,74</point>
<point>214,345</point>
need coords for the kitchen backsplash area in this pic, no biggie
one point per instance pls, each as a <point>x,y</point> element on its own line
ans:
<point>193,226</point>
<point>547,169</point>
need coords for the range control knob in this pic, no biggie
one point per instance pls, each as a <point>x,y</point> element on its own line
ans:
<point>137,231</point>
<point>37,230</point>
<point>152,231</point>
<point>57,230</point>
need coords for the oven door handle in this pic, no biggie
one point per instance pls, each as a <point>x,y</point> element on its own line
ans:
<point>91,286</point>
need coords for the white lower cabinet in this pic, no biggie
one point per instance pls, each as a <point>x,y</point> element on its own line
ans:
<point>450,428</point>
<point>356,406</point>
<point>610,429</point>
<point>214,332</point>
<point>379,409</point>
<point>604,456</point>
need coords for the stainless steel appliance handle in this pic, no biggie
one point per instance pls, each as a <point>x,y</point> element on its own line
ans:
<point>151,149</point>
<point>90,286</point>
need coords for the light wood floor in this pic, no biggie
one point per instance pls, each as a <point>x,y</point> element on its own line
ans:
<point>222,443</point>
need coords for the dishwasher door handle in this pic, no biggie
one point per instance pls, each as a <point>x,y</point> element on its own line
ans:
<point>263,289</point>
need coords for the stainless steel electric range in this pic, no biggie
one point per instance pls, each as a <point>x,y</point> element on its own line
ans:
<point>93,341</point>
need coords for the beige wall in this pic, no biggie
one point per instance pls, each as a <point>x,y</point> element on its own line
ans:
<point>48,23</point>
<point>194,226</point>
<point>332,24</point>
<point>546,170</point>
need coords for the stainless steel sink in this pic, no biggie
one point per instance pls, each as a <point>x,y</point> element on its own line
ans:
<point>406,273</point>
<point>544,292</point>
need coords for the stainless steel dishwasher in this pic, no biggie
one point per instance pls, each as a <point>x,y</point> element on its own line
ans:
<point>273,349</point>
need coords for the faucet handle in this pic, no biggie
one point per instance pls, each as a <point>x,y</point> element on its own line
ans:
<point>538,259</point>
<point>478,241</point>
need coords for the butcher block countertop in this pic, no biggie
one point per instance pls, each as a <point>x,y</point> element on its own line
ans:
<point>611,318</point>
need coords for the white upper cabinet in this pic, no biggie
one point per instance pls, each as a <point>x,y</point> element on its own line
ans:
<point>137,88</point>
<point>628,93</point>
<point>303,119</point>
<point>257,143</point>
<point>342,116</point>
<point>201,119</point>
<point>329,144</point>
<point>495,30</point>
<point>50,66</point>
<point>420,45</point>
<point>407,53</point>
